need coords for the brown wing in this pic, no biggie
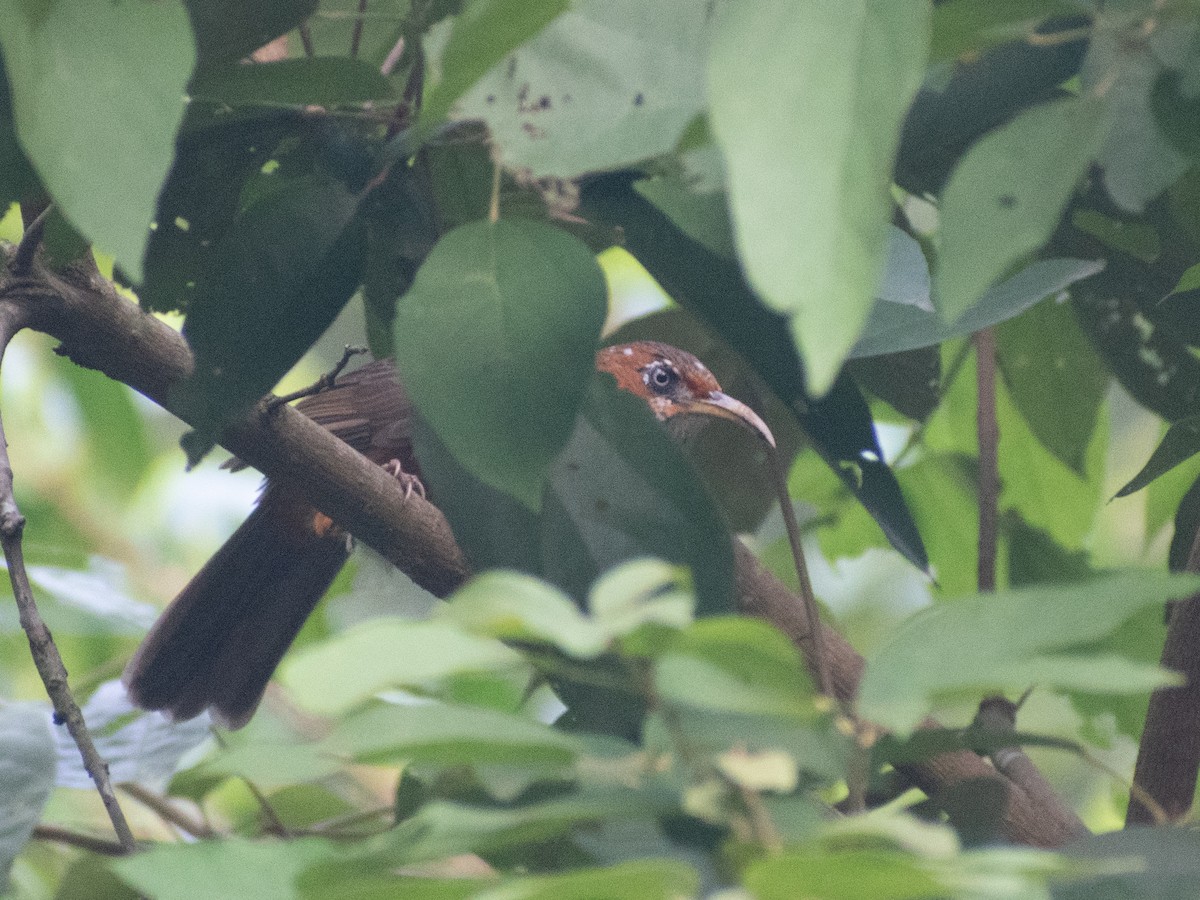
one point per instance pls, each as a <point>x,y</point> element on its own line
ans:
<point>369,410</point>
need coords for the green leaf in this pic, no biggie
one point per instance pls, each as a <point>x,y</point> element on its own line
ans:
<point>27,765</point>
<point>482,35</point>
<point>1181,442</point>
<point>548,111</point>
<point>644,879</point>
<point>1135,864</point>
<point>621,490</point>
<point>514,607</point>
<point>217,870</point>
<point>450,736</point>
<point>214,160</point>
<point>342,672</point>
<point>1010,639</point>
<point>1055,379</point>
<point>321,81</point>
<point>893,327</point>
<point>1007,194</point>
<point>1137,160</point>
<point>965,26</point>
<point>100,131</point>
<point>739,665</point>
<point>806,101</point>
<point>443,829</point>
<point>227,30</point>
<point>1138,239</point>
<point>282,273</point>
<point>495,341</point>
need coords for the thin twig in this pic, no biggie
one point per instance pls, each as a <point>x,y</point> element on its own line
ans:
<point>31,240</point>
<point>168,811</point>
<point>819,661</point>
<point>87,842</point>
<point>989,466</point>
<point>393,58</point>
<point>306,40</point>
<point>324,383</point>
<point>356,34</point>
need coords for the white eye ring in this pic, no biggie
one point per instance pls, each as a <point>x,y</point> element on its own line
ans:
<point>660,377</point>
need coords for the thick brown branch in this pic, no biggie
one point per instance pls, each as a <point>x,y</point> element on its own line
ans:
<point>1038,821</point>
<point>1169,753</point>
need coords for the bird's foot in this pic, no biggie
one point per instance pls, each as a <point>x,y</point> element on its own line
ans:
<point>411,483</point>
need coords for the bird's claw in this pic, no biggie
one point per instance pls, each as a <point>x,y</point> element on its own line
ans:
<point>411,483</point>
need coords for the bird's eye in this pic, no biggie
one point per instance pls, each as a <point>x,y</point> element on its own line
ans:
<point>661,378</point>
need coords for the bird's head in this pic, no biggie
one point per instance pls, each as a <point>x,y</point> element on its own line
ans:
<point>675,385</point>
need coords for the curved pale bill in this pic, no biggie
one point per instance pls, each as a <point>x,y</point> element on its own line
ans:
<point>725,407</point>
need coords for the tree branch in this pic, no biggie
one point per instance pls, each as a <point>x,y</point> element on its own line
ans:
<point>42,648</point>
<point>1169,753</point>
<point>101,330</point>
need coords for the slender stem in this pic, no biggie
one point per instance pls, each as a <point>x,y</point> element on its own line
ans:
<point>168,811</point>
<point>71,838</point>
<point>356,34</point>
<point>989,466</point>
<point>306,40</point>
<point>811,612</point>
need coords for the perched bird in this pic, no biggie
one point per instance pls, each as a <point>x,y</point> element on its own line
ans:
<point>218,643</point>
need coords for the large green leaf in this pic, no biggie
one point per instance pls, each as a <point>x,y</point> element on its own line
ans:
<point>1055,379</point>
<point>98,94</point>
<point>806,101</point>
<point>344,671</point>
<point>894,327</point>
<point>217,870</point>
<point>27,764</point>
<point>1009,640</point>
<point>495,341</point>
<point>227,30</point>
<point>548,110</point>
<point>282,273</point>
<point>449,736</point>
<point>321,81</point>
<point>1008,193</point>
<point>482,35</point>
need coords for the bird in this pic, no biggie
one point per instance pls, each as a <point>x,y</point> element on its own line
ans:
<point>217,644</point>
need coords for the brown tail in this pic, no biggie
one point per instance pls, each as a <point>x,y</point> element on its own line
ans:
<point>220,640</point>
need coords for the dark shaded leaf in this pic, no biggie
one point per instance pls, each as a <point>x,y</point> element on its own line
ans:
<point>281,275</point>
<point>1187,521</point>
<point>227,30</point>
<point>895,327</point>
<point>983,92</point>
<point>839,424</point>
<point>1034,557</point>
<point>1181,442</point>
<point>1055,379</point>
<point>197,206</point>
<point>495,342</point>
<point>100,132</point>
<point>621,490</point>
<point>320,81</point>
<point>18,180</point>
<point>962,28</point>
<point>910,381</point>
